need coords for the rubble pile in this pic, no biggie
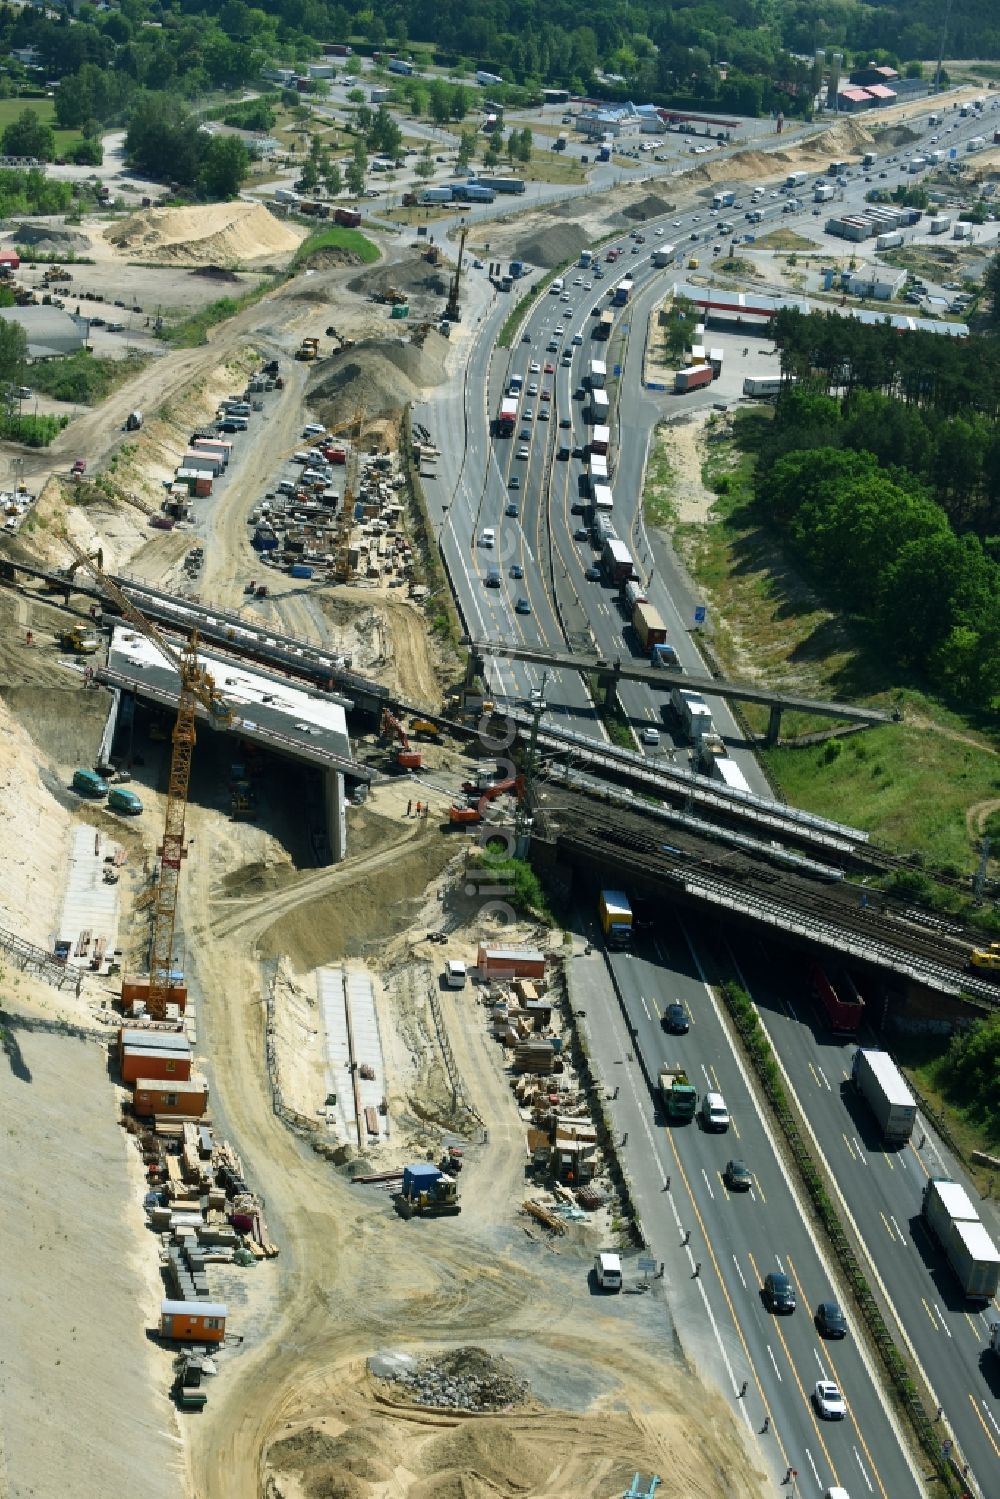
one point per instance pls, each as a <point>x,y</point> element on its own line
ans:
<point>464,1379</point>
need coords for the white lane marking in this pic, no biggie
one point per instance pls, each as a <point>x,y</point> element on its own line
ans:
<point>739,1272</point>
<point>864,1471</point>
<point>774,1363</point>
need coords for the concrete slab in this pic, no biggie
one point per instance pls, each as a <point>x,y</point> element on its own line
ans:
<point>89,905</point>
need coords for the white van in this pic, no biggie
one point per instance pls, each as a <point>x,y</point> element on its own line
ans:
<point>556,286</point>
<point>608,1271</point>
<point>455,973</point>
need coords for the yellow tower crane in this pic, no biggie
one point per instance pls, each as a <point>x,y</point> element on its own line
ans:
<point>196,686</point>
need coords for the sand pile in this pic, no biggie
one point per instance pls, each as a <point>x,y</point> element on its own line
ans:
<point>378,376</point>
<point>219,234</point>
<point>553,245</point>
<point>412,275</point>
<point>35,838</point>
<point>49,239</point>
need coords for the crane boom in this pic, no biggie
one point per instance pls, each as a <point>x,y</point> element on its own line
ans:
<point>196,686</point>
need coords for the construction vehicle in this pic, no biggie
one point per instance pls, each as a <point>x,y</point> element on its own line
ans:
<point>424,726</point>
<point>432,255</point>
<point>55,273</point>
<point>308,349</point>
<point>986,960</point>
<point>79,640</point>
<point>477,812</point>
<point>407,758</point>
<point>678,1095</point>
<point>453,307</point>
<point>187,1387</point>
<point>342,342</point>
<point>197,686</point>
<point>427,1193</point>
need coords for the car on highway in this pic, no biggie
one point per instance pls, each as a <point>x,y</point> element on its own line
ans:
<point>581,534</point>
<point>544,414</point>
<point>526,338</point>
<point>577,340</point>
<point>522,606</point>
<point>550,368</point>
<point>596,310</point>
<point>534,367</point>
<point>492,579</point>
<point>516,570</point>
<point>528,414</point>
<point>676,1019</point>
<point>779,1293</point>
<point>564,297</point>
<point>515,482</point>
<point>828,1400</point>
<point>552,347</point>
<point>714,1114</point>
<point>737,1177</point>
<point>577,280</point>
<point>565,421</point>
<point>525,434</point>
<point>830,1320</point>
<point>566,360</point>
<point>487,537</point>
<point>513,510</point>
<point>651,737</point>
<point>533,387</point>
<point>546,394</point>
<point>579,394</point>
<point>598,274</point>
<point>522,452</point>
<point>695,235</point>
<point>593,574</point>
<point>588,286</point>
<point>563,454</point>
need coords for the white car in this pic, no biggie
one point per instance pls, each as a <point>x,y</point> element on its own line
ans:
<point>313,429</point>
<point>828,1400</point>
<point>534,368</point>
<point>533,388</point>
<point>522,452</point>
<point>650,736</point>
<point>488,537</point>
<point>714,1114</point>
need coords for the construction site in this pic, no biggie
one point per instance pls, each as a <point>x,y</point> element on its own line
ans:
<point>262,1026</point>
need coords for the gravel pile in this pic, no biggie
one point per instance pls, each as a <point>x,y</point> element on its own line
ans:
<point>553,245</point>
<point>465,1379</point>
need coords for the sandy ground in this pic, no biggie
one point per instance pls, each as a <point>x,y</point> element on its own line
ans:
<point>684,445</point>
<point>224,234</point>
<point>84,1406</point>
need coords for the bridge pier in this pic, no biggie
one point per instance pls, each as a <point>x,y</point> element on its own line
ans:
<point>335,804</point>
<point>773,724</point>
<point>609,686</point>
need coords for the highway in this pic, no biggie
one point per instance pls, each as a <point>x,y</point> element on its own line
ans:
<point>881,1191</point>
<point>735,1238</point>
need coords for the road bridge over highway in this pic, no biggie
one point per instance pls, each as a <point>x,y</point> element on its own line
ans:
<point>663,679</point>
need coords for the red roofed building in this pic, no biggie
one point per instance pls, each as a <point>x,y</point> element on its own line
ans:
<point>850,100</point>
<point>881,94</point>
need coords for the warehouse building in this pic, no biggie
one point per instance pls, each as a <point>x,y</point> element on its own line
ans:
<point>50,332</point>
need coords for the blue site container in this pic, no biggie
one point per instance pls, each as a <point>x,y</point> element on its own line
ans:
<point>264,541</point>
<point>299,570</point>
<point>419,1178</point>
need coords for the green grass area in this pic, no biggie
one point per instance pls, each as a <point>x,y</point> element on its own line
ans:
<point>922,1058</point>
<point>11,109</point>
<point>336,237</point>
<point>784,239</point>
<point>658,502</point>
<point>192,331</point>
<point>917,785</point>
<point>84,378</point>
<point>548,166</point>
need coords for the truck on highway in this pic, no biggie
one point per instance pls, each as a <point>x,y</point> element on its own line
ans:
<point>693,712</point>
<point>623,292</point>
<point>605,323</point>
<point>823,194</point>
<point>729,773</point>
<point>586,259</point>
<point>994,1344</point>
<point>724,199</point>
<point>796,179</point>
<point>597,374</point>
<point>597,473</point>
<point>648,626</point>
<point>953,1222</point>
<point>507,420</point>
<point>604,500</point>
<point>600,439</point>
<point>617,561</point>
<point>677,1094</point>
<point>693,378</point>
<point>599,407</point>
<point>880,1083</point>
<point>869,159</point>
<point>632,594</point>
<point>663,255</point>
<point>837,994</point>
<point>616,917</point>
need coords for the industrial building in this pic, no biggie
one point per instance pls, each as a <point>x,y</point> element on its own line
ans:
<point>50,331</point>
<point>753,310</point>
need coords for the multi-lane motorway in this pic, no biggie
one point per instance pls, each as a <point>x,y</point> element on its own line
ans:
<point>734,1239</point>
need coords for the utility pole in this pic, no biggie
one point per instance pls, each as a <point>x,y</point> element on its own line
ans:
<point>979,878</point>
<point>944,37</point>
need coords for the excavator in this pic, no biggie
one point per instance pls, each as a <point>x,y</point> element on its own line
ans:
<point>476,812</point>
<point>407,758</point>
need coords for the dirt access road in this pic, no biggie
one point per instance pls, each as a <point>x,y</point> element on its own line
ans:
<point>353,1278</point>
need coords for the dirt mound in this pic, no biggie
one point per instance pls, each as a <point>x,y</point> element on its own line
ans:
<point>846,135</point>
<point>898,135</point>
<point>412,275</point>
<point>380,376</point>
<point>554,245</point>
<point>649,207</point>
<point>48,239</point>
<point>216,234</point>
<point>489,1451</point>
<point>340,1467</point>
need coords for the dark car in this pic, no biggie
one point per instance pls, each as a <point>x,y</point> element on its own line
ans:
<point>830,1320</point>
<point>515,482</point>
<point>563,453</point>
<point>593,574</point>
<point>565,421</point>
<point>229,427</point>
<point>779,1293</point>
<point>516,570</point>
<point>676,1019</point>
<point>579,394</point>
<point>581,534</point>
<point>737,1177</point>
